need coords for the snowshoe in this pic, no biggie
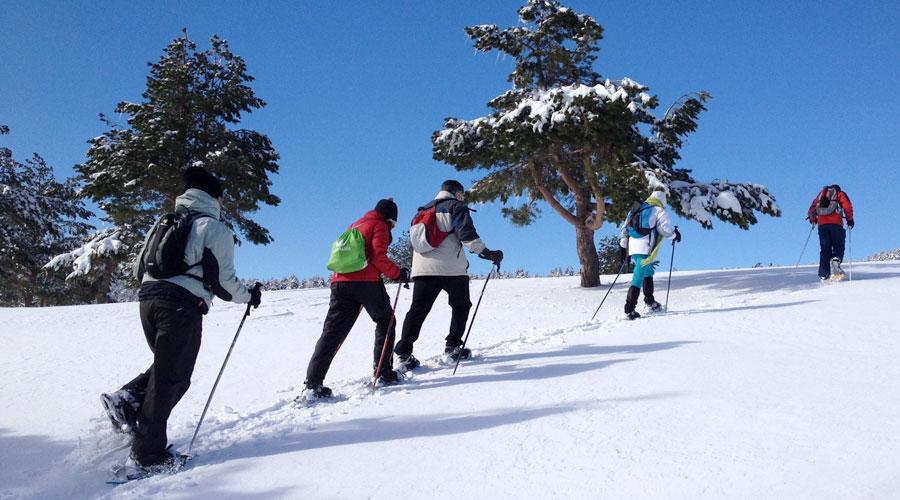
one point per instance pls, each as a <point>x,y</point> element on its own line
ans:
<point>632,315</point>
<point>407,363</point>
<point>133,470</point>
<point>312,394</point>
<point>837,274</point>
<point>454,354</point>
<point>389,377</point>
<point>122,409</point>
<point>654,307</point>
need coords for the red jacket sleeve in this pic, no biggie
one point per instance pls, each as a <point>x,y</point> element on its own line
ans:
<point>844,201</point>
<point>381,238</point>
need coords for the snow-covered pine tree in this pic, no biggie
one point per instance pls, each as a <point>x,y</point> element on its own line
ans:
<point>96,264</point>
<point>588,146</point>
<point>39,217</point>
<point>188,116</point>
<point>608,253</point>
<point>401,251</point>
<point>885,255</point>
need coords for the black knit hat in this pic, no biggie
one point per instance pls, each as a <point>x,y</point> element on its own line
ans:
<point>387,208</point>
<point>452,186</point>
<point>199,178</point>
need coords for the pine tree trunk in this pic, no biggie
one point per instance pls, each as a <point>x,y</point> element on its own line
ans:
<point>102,295</point>
<point>587,256</point>
<point>584,236</point>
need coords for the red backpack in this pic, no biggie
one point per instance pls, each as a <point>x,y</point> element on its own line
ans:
<point>424,233</point>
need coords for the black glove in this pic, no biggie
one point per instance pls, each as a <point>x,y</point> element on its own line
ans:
<point>623,254</point>
<point>850,223</point>
<point>404,276</point>
<point>677,236</point>
<point>495,256</point>
<point>813,220</point>
<point>256,295</point>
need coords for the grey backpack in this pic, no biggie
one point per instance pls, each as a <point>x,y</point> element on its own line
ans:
<point>828,203</point>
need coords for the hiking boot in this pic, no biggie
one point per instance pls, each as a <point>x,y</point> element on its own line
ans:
<point>122,409</point>
<point>837,273</point>
<point>457,353</point>
<point>165,463</point>
<point>407,363</point>
<point>317,391</point>
<point>632,315</point>
<point>389,377</point>
<point>631,299</point>
<point>312,394</point>
<point>654,306</point>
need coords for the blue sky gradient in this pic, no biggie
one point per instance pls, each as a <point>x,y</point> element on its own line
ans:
<point>804,94</point>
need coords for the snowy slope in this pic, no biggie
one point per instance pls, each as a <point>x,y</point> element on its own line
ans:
<point>758,383</point>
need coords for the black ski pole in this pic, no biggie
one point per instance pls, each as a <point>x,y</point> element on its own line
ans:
<point>209,400</point>
<point>669,283</point>
<point>386,336</point>
<point>472,322</point>
<point>621,268</point>
<point>811,227</point>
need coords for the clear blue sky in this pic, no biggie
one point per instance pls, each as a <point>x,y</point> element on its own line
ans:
<point>805,93</point>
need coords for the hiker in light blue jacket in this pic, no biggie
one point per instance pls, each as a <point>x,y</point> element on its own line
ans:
<point>640,239</point>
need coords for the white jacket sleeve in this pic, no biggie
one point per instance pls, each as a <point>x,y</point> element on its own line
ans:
<point>662,224</point>
<point>218,264</point>
<point>623,235</point>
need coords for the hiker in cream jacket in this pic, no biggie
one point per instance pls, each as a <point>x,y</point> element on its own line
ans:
<point>445,268</point>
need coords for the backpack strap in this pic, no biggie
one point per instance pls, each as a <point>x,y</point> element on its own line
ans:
<point>192,217</point>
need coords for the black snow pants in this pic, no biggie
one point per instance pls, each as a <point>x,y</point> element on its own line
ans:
<point>173,330</point>
<point>831,245</point>
<point>425,291</point>
<point>348,298</point>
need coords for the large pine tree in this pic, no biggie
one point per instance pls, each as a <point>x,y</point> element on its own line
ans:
<point>589,147</point>
<point>39,217</point>
<point>188,116</point>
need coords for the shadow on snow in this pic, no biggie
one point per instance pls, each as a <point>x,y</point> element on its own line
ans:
<point>377,430</point>
<point>748,281</point>
<point>25,459</point>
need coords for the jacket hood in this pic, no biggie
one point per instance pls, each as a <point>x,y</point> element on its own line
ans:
<point>443,195</point>
<point>199,201</point>
<point>658,197</point>
<point>374,214</point>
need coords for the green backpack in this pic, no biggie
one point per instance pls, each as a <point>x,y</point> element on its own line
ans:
<point>348,252</point>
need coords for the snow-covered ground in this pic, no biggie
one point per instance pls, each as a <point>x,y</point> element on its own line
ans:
<point>759,383</point>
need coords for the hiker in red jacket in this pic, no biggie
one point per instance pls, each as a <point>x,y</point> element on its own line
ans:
<point>351,292</point>
<point>829,209</point>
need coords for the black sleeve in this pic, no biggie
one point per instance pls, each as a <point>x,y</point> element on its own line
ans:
<point>462,222</point>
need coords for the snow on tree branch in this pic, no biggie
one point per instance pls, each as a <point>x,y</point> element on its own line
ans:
<point>104,244</point>
<point>541,112</point>
<point>732,203</point>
